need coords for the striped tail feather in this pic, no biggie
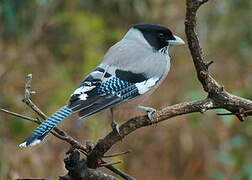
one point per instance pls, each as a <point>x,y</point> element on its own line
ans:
<point>43,129</point>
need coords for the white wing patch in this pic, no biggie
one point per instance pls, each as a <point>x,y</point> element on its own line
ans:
<point>83,97</point>
<point>81,91</point>
<point>144,86</point>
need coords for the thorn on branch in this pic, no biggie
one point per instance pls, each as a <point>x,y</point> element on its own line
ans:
<point>241,115</point>
<point>101,163</point>
<point>109,163</point>
<point>195,4</point>
<point>208,64</point>
<point>116,154</point>
<point>200,2</point>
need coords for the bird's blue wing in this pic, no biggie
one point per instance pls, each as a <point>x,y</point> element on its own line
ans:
<point>98,92</point>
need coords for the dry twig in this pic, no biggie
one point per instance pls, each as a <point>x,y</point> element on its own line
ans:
<point>217,98</point>
<point>57,132</point>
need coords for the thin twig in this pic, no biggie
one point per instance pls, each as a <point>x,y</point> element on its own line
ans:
<point>225,114</point>
<point>217,96</point>
<point>27,97</point>
<point>110,163</point>
<point>116,154</point>
<point>19,115</point>
<point>57,131</point>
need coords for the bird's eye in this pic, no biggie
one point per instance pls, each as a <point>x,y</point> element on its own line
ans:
<point>161,35</point>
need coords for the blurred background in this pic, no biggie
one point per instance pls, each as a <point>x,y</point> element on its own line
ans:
<point>59,42</point>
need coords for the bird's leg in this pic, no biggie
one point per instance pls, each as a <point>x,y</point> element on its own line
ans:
<point>114,124</point>
<point>149,111</point>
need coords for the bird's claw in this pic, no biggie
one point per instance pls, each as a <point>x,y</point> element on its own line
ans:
<point>115,126</point>
<point>149,111</point>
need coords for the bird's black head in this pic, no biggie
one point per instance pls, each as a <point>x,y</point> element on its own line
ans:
<point>158,36</point>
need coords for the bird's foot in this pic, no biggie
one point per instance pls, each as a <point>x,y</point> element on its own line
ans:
<point>115,126</point>
<point>149,111</point>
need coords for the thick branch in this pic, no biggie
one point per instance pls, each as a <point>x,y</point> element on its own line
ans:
<point>215,91</point>
<point>77,169</point>
<point>131,125</point>
<point>217,96</point>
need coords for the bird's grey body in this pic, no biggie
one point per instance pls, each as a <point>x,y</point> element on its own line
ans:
<point>129,72</point>
<point>135,44</point>
<point>134,51</point>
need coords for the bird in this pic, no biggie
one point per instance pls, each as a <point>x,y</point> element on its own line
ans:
<point>129,72</point>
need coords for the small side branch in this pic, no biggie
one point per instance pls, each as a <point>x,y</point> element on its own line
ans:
<point>133,124</point>
<point>217,96</point>
<point>59,133</point>
<point>20,116</point>
<point>215,91</point>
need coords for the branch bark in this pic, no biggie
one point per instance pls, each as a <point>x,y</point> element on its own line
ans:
<point>78,170</point>
<point>59,133</point>
<point>217,96</point>
<point>216,92</point>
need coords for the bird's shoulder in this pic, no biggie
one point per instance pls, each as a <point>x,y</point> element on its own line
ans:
<point>111,83</point>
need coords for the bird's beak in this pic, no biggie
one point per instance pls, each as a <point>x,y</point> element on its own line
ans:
<point>176,41</point>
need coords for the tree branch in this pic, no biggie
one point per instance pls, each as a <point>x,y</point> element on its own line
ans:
<point>20,116</point>
<point>133,124</point>
<point>57,132</point>
<point>77,169</point>
<point>217,96</point>
<point>215,91</point>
